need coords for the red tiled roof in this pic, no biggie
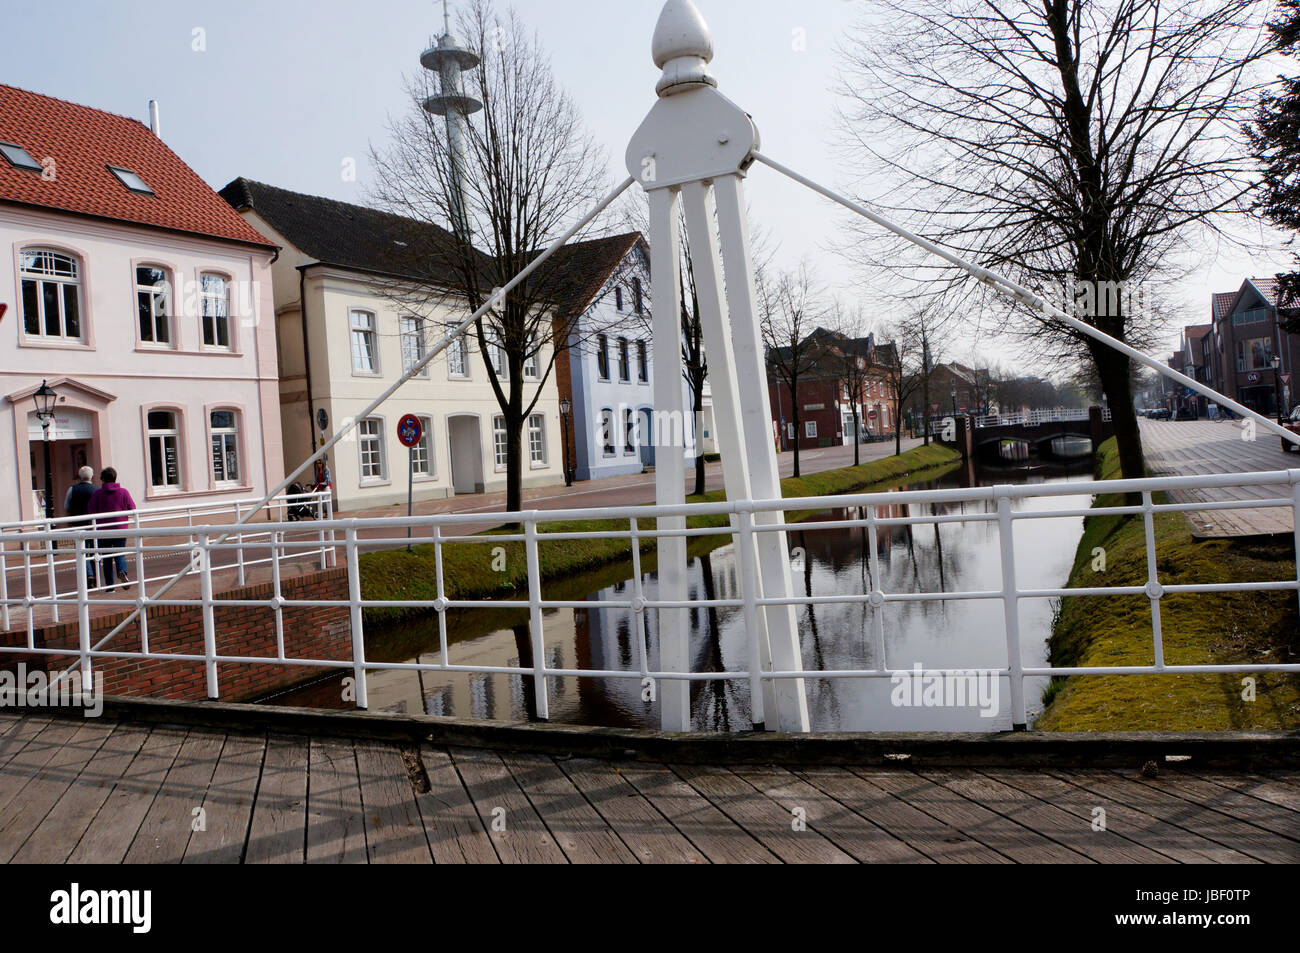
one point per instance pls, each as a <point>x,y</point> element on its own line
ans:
<point>1266,287</point>
<point>1221,304</point>
<point>1194,332</point>
<point>83,142</point>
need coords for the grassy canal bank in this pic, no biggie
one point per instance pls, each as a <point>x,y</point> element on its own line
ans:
<point>1198,628</point>
<point>474,571</point>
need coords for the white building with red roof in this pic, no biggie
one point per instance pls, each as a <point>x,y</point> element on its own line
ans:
<point>144,300</point>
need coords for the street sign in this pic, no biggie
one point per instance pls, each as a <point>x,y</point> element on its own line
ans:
<point>1284,378</point>
<point>322,420</point>
<point>409,430</point>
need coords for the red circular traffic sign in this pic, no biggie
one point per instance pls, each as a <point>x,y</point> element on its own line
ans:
<point>409,430</point>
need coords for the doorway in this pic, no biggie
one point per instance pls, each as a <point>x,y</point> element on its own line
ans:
<point>465,445</point>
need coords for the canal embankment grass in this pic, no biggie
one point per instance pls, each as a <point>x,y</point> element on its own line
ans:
<point>496,570</point>
<point>1198,628</point>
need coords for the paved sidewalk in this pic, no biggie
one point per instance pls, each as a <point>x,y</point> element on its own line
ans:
<point>1192,447</point>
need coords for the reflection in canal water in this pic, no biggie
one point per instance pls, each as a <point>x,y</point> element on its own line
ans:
<point>948,557</point>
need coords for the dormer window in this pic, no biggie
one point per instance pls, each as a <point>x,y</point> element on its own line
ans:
<point>618,298</point>
<point>18,157</point>
<point>131,180</point>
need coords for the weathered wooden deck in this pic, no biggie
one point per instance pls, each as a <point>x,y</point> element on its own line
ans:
<point>99,790</point>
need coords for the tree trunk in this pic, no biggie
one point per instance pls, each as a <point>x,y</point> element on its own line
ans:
<point>794,418</point>
<point>898,428</point>
<point>857,442</point>
<point>698,410</point>
<point>514,463</point>
<point>1113,370</point>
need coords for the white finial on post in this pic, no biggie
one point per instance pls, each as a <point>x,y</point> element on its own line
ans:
<point>682,47</point>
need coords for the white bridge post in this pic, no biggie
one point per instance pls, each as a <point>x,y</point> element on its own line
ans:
<point>694,147</point>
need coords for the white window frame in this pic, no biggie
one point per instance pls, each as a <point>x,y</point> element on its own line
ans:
<point>413,336</point>
<point>809,429</point>
<point>533,362</point>
<point>380,451</point>
<point>602,357</point>
<point>156,297</point>
<point>608,448</point>
<point>367,330</point>
<point>165,434</point>
<point>220,304</point>
<point>537,456</point>
<point>624,361</point>
<point>629,432</point>
<point>642,362</point>
<point>460,348</point>
<point>424,451</point>
<point>225,434</point>
<point>64,284</point>
<point>500,443</point>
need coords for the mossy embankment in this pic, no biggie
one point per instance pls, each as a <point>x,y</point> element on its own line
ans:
<point>1198,628</point>
<point>497,569</point>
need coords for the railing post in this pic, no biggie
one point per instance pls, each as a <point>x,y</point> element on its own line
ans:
<point>440,602</point>
<point>748,579</point>
<point>140,584</point>
<point>275,590</point>
<point>50,572</point>
<point>209,620</point>
<point>239,544</point>
<point>320,534</point>
<point>1011,609</point>
<point>535,619</point>
<point>1153,588</point>
<point>1295,524</point>
<point>638,601</point>
<point>334,541</point>
<point>876,598</point>
<point>358,633</point>
<point>4,584</point>
<point>83,614</point>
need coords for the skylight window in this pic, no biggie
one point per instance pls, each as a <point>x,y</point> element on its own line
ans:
<point>18,157</point>
<point>130,180</point>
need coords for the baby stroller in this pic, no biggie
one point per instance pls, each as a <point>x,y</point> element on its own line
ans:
<point>297,507</point>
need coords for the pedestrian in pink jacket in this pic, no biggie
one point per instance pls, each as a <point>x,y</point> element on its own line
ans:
<point>111,497</point>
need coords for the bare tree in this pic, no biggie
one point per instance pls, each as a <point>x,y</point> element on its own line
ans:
<point>905,372</point>
<point>790,308</point>
<point>530,170</point>
<point>1076,145</point>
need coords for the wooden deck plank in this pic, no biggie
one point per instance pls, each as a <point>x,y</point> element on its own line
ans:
<point>577,827</point>
<point>58,833</point>
<point>165,830</point>
<point>336,827</point>
<point>646,832</point>
<point>1229,831</point>
<point>936,839</point>
<point>228,803</point>
<point>23,728</point>
<point>39,745</point>
<point>851,832</point>
<point>454,830</point>
<point>277,830</point>
<point>694,816</point>
<point>1127,822</point>
<point>1279,820</point>
<point>1002,792</point>
<point>108,837</point>
<point>763,817</point>
<point>519,834</point>
<point>394,831</point>
<point>43,791</point>
<point>993,830</point>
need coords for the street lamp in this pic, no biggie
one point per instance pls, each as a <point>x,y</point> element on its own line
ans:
<point>565,406</point>
<point>45,398</point>
<point>953,394</point>
<point>1277,402</point>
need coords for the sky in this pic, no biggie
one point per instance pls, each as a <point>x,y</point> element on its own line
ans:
<point>293,93</point>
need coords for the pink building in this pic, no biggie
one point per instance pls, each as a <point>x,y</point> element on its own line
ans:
<point>144,300</point>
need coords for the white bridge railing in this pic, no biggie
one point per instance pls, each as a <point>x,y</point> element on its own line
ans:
<point>1000,506</point>
<point>31,566</point>
<point>1035,417</point>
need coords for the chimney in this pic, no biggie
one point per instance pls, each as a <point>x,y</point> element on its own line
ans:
<point>153,118</point>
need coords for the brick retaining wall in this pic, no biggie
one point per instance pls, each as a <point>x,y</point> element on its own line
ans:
<point>309,631</point>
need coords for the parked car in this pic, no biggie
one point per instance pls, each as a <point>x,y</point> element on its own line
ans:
<point>1292,424</point>
<point>1160,413</point>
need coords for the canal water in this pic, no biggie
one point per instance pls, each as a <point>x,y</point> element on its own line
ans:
<point>953,634</point>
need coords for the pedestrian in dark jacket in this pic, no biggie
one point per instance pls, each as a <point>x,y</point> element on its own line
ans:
<point>111,497</point>
<point>77,503</point>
